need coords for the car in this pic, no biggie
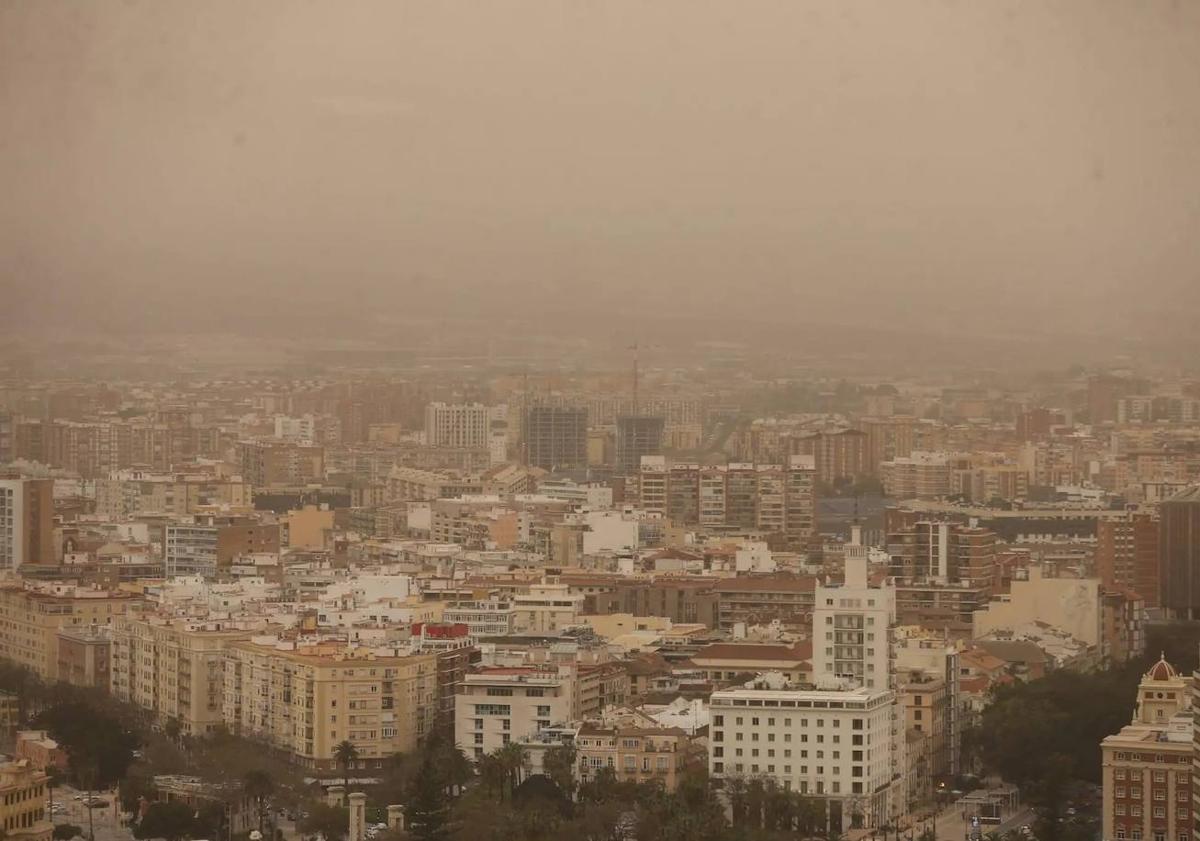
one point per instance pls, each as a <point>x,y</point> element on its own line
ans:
<point>96,803</point>
<point>78,797</point>
<point>1071,810</point>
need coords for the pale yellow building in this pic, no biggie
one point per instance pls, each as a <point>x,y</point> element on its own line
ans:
<point>23,798</point>
<point>31,619</point>
<point>174,667</point>
<point>307,697</point>
<point>634,754</point>
<point>130,493</point>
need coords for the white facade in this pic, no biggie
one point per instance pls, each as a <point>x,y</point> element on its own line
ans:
<point>754,557</point>
<point>483,619</point>
<point>608,531</point>
<point>546,608</point>
<point>493,709</point>
<point>458,425</point>
<point>833,744</point>
<point>851,629</point>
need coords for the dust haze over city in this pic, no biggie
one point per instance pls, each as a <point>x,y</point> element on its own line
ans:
<point>918,173</point>
<point>613,420</point>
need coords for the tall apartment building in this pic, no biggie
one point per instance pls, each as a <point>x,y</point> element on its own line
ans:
<point>840,454</point>
<point>174,668</point>
<point>942,567</point>
<point>1127,554</point>
<point>130,493</point>
<point>773,499</point>
<point>759,599</point>
<point>1179,554</point>
<point>921,475</point>
<point>306,698</point>
<point>26,522</point>
<point>852,629</point>
<point>637,436</point>
<point>30,621</point>
<point>8,439</point>
<point>501,705</point>
<point>458,425</point>
<point>555,437</point>
<point>944,553</point>
<point>1037,423</point>
<point>266,464</point>
<point>209,545</point>
<point>1147,766</point>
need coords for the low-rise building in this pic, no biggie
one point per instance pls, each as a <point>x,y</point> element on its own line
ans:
<point>635,754</point>
<point>23,796</point>
<point>727,661</point>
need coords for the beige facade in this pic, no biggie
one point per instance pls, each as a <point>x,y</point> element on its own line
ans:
<point>134,493</point>
<point>1147,766</point>
<point>497,706</point>
<point>23,796</point>
<point>31,619</point>
<point>310,528</point>
<point>307,698</point>
<point>635,754</point>
<point>174,668</point>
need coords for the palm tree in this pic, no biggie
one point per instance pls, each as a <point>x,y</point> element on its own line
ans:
<point>514,762</point>
<point>345,754</point>
<point>258,786</point>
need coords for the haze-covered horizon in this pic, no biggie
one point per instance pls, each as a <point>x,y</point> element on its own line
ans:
<point>944,168</point>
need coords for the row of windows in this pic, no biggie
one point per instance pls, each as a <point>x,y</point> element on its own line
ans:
<point>1135,774</point>
<point>856,756</point>
<point>719,721</point>
<point>1135,792</point>
<point>1159,811</point>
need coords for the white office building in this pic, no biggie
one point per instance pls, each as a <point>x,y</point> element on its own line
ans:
<point>835,745</point>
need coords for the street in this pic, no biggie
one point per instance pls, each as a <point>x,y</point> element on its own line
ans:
<point>106,819</point>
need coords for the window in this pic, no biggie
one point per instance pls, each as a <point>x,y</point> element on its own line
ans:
<point>1120,809</point>
<point>1160,811</point>
<point>1119,774</point>
<point>1120,791</point>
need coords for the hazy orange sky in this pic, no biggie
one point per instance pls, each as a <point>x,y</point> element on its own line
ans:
<point>1005,163</point>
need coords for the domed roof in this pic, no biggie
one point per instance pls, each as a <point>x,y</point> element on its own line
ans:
<point>1162,670</point>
